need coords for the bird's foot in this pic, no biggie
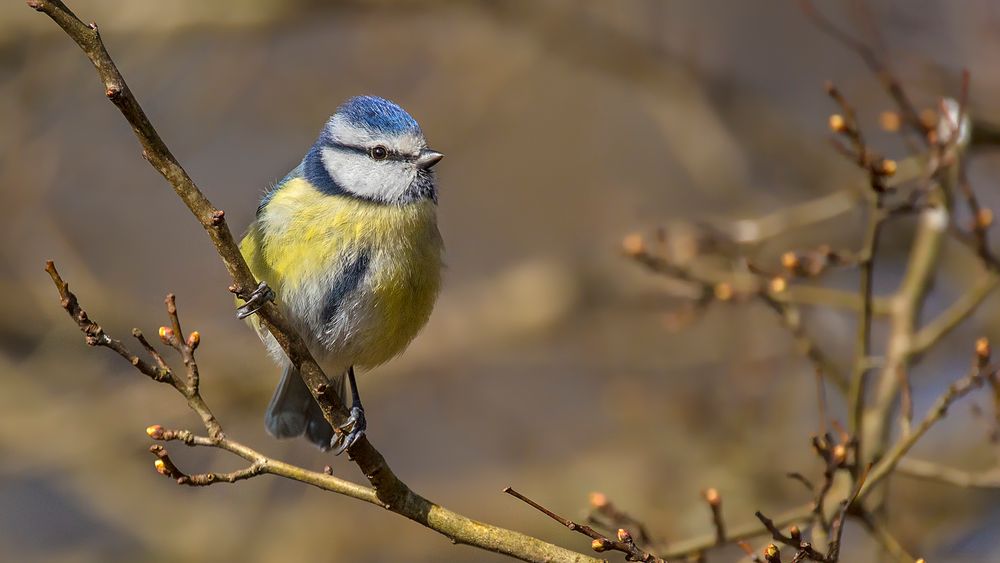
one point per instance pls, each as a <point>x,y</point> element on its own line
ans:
<point>351,431</point>
<point>257,299</point>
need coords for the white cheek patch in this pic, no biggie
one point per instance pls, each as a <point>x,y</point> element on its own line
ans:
<point>386,180</point>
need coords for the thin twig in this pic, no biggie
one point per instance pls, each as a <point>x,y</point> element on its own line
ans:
<point>711,281</point>
<point>714,501</point>
<point>956,391</point>
<point>877,67</point>
<point>165,466</point>
<point>791,318</point>
<point>837,526</point>
<point>617,518</point>
<point>624,543</point>
<point>878,530</point>
<point>788,540</point>
<point>693,546</point>
<point>930,471</point>
<point>95,335</point>
<point>877,170</point>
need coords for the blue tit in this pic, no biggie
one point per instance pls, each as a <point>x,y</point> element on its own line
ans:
<point>347,245</point>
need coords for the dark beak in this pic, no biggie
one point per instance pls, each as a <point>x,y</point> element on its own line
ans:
<point>428,158</point>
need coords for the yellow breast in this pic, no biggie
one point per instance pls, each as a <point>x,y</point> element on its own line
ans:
<point>303,237</point>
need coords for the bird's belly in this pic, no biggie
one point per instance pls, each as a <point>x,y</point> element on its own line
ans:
<point>378,319</point>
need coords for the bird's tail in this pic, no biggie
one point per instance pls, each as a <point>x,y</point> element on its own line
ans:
<point>293,411</point>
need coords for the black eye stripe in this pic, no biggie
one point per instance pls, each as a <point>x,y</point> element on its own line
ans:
<point>390,154</point>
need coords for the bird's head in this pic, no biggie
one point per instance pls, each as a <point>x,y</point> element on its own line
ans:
<point>372,149</point>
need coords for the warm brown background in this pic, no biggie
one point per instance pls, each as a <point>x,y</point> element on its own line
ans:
<point>546,364</point>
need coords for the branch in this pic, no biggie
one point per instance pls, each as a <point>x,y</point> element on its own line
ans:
<point>714,501</point>
<point>695,546</point>
<point>391,492</point>
<point>601,543</point>
<point>973,380</point>
<point>617,518</point>
<point>875,65</point>
<point>727,284</point>
<point>909,299</point>
<point>781,221</point>
<point>878,530</point>
<point>968,301</point>
<point>837,527</point>
<point>796,542</point>
<point>930,471</point>
<point>877,168</point>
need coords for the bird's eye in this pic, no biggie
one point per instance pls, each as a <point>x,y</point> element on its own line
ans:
<point>378,152</point>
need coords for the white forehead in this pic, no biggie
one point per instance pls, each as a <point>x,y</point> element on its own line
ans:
<point>342,131</point>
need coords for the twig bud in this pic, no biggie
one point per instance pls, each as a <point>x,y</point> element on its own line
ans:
<point>887,167</point>
<point>161,467</point>
<point>218,216</point>
<point>712,497</point>
<point>598,500</point>
<point>929,118</point>
<point>984,218</point>
<point>778,284</point>
<point>839,454</point>
<point>837,123</point>
<point>194,339</point>
<point>790,261</point>
<point>155,432</point>
<point>624,535</point>
<point>633,245</point>
<point>600,544</point>
<point>166,334</point>
<point>772,554</point>
<point>889,121</point>
<point>795,533</point>
<point>983,350</point>
<point>723,291</point>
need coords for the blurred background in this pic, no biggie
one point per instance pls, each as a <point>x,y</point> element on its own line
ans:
<point>548,364</point>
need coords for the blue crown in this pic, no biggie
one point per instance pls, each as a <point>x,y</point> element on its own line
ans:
<point>378,114</point>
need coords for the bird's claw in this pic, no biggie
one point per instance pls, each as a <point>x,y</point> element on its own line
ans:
<point>350,432</point>
<point>257,299</point>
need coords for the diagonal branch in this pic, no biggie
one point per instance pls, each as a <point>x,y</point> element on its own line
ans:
<point>880,531</point>
<point>885,466</point>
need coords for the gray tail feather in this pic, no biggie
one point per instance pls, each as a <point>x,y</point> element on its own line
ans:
<point>292,410</point>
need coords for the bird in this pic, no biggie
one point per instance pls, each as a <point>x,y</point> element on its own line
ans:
<point>347,246</point>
